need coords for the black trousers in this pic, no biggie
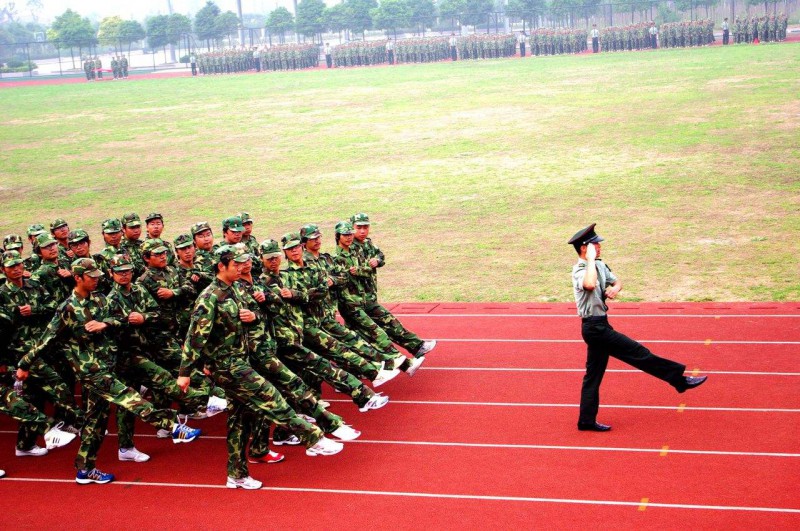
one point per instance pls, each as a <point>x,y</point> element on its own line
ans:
<point>725,35</point>
<point>522,49</point>
<point>391,57</point>
<point>595,44</point>
<point>653,42</point>
<point>328,60</point>
<point>453,53</point>
<point>603,341</point>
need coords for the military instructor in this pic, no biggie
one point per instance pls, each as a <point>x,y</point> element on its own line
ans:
<point>593,283</point>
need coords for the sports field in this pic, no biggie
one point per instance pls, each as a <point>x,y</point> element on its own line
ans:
<point>475,173</point>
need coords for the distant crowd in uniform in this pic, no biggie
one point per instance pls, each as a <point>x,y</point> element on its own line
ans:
<point>93,68</point>
<point>188,328</point>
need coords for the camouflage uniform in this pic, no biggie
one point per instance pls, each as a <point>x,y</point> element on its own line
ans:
<point>133,248</point>
<point>171,258</point>
<point>133,366</point>
<point>217,338</point>
<point>288,322</point>
<point>44,382</point>
<point>19,408</point>
<point>91,356</point>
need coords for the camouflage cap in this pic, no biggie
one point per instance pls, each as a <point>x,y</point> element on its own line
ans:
<point>233,223</point>
<point>77,235</point>
<point>153,215</point>
<point>309,232</point>
<point>154,246</point>
<point>238,255</point>
<point>12,242</point>
<point>58,222</point>
<point>183,240</point>
<point>131,219</point>
<point>359,219</point>
<point>111,226</point>
<point>242,255</point>
<point>245,217</point>
<point>86,266</point>
<point>12,258</point>
<point>269,249</point>
<point>200,226</point>
<point>344,227</point>
<point>36,229</point>
<point>120,262</point>
<point>45,239</point>
<point>289,240</point>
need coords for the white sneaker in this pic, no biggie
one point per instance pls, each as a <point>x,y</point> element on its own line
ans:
<point>376,402</point>
<point>291,441</point>
<point>346,433</point>
<point>399,360</point>
<point>215,405</point>
<point>324,403</point>
<point>247,483</point>
<point>163,434</point>
<point>416,363</point>
<point>426,347</point>
<point>325,446</point>
<point>384,376</point>
<point>308,419</point>
<point>132,454</point>
<point>33,451</point>
<point>2,473</point>
<point>56,437</point>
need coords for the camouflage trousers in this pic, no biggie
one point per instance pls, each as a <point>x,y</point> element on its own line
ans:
<point>354,341</point>
<point>43,385</point>
<point>301,397</point>
<point>18,408</point>
<point>330,348</point>
<point>393,328</point>
<point>249,392</point>
<point>102,389</point>
<point>356,319</point>
<point>314,369</point>
<point>135,370</point>
<point>168,355</point>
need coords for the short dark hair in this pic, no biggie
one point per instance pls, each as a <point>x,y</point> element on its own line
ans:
<point>578,246</point>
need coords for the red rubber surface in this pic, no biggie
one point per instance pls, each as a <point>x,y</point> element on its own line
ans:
<point>502,450</point>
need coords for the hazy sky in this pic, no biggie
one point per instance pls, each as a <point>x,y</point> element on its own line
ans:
<point>139,9</point>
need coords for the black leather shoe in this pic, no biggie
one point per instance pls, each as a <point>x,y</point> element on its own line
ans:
<point>692,382</point>
<point>593,426</point>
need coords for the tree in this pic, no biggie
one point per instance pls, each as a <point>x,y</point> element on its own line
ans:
<point>108,32</point>
<point>157,31</point>
<point>177,26</point>
<point>34,7</point>
<point>309,17</point>
<point>70,30</point>
<point>359,18</point>
<point>226,23</point>
<point>451,8</point>
<point>279,21</point>
<point>476,11</point>
<point>335,18</point>
<point>527,10</point>
<point>391,14</point>
<point>422,12</point>
<point>204,21</point>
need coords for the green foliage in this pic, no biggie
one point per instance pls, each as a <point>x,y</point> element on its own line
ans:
<point>335,18</point>
<point>451,8</point>
<point>14,32</point>
<point>526,9</point>
<point>359,18</point>
<point>279,21</point>
<point>157,31</point>
<point>309,17</point>
<point>71,30</point>
<point>666,15</point>
<point>205,26</point>
<point>226,23</point>
<point>15,65</point>
<point>392,14</point>
<point>476,11</point>
<point>177,26</point>
<point>422,11</point>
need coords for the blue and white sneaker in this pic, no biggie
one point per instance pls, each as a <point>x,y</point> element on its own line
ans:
<point>181,433</point>
<point>93,476</point>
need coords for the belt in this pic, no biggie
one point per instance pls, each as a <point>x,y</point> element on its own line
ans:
<point>598,318</point>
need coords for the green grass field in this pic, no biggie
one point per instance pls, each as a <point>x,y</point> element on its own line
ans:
<point>475,173</point>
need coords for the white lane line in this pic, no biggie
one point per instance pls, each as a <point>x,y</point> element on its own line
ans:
<point>676,341</point>
<point>573,501</point>
<point>611,406</point>
<point>613,316</point>
<point>632,371</point>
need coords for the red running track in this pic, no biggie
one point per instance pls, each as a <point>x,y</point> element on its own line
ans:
<point>483,437</point>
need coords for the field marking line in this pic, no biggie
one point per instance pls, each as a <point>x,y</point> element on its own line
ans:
<point>695,372</point>
<point>664,341</point>
<point>610,406</point>
<point>614,316</point>
<point>444,496</point>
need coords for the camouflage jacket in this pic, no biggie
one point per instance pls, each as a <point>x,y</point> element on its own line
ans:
<point>215,330</point>
<point>121,305</point>
<point>47,276</point>
<point>252,248</point>
<point>369,251</point>
<point>103,259</point>
<point>205,261</point>
<point>352,292</point>
<point>33,262</point>
<point>183,294</point>
<point>311,279</point>
<point>327,270</point>
<point>204,279</point>
<point>287,317</point>
<point>134,250</point>
<point>87,352</point>
<point>64,259</point>
<point>262,330</point>
<point>24,331</point>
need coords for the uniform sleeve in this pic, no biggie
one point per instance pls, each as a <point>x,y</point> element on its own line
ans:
<point>200,328</point>
<point>577,278</point>
<point>611,278</point>
<point>152,311</point>
<point>379,255</point>
<point>186,291</point>
<point>54,328</point>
